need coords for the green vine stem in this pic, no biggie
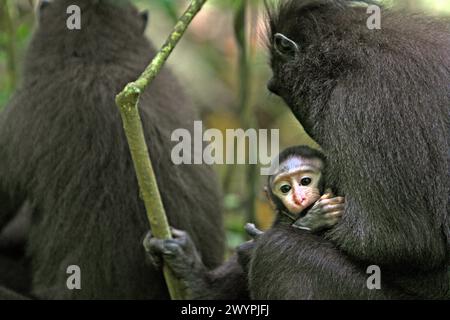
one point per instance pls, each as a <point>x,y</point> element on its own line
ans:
<point>127,101</point>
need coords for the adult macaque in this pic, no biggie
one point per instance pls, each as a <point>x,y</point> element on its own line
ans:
<point>378,104</point>
<point>63,148</point>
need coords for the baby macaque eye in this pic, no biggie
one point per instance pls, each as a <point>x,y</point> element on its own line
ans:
<point>305,181</point>
<point>285,188</point>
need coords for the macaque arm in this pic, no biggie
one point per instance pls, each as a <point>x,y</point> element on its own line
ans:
<point>395,211</point>
<point>227,282</point>
<point>288,263</point>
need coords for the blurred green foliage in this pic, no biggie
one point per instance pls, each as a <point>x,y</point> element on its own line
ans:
<point>225,78</point>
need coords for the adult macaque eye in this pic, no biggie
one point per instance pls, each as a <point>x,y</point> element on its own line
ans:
<point>285,46</point>
<point>305,181</point>
<point>285,188</point>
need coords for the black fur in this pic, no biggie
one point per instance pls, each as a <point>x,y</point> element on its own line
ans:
<point>14,266</point>
<point>63,148</point>
<point>378,103</point>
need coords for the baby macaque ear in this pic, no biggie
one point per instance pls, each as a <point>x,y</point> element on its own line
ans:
<point>269,198</point>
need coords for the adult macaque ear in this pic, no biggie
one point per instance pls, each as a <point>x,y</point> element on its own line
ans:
<point>145,17</point>
<point>42,4</point>
<point>285,47</point>
<point>40,7</point>
<point>269,198</point>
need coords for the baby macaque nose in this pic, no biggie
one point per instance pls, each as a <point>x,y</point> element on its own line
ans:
<point>299,200</point>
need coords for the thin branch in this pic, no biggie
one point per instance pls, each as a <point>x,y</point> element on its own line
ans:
<point>245,107</point>
<point>127,101</point>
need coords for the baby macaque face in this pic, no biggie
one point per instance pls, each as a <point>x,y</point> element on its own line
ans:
<point>296,183</point>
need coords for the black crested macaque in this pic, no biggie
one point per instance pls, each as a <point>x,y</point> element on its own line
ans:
<point>294,188</point>
<point>377,101</point>
<point>62,147</point>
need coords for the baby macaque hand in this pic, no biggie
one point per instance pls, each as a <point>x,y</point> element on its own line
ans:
<point>325,213</point>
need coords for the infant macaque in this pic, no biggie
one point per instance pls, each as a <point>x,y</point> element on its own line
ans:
<point>296,186</point>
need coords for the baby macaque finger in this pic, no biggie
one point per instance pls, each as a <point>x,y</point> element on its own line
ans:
<point>336,200</point>
<point>339,199</point>
<point>333,218</point>
<point>335,214</point>
<point>326,196</point>
<point>333,207</point>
